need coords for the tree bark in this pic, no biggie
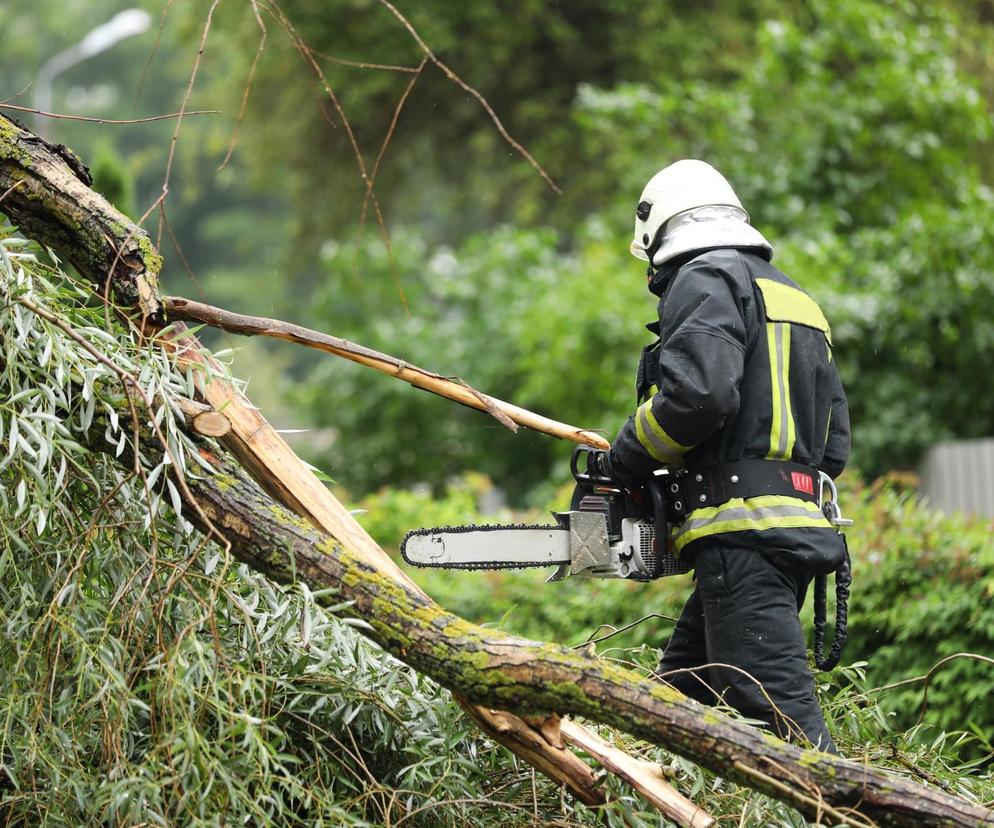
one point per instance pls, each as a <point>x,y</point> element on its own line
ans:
<point>487,667</point>
<point>45,190</point>
<point>52,171</point>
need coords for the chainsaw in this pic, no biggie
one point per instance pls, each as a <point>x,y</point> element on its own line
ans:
<point>607,533</point>
<point>612,533</point>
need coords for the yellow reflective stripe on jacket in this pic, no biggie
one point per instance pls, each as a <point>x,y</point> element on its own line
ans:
<point>653,438</point>
<point>789,304</point>
<point>782,433</point>
<point>653,390</point>
<point>754,513</point>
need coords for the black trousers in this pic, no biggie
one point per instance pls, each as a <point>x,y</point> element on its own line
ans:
<point>743,614</point>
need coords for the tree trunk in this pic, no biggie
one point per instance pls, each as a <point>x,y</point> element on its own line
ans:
<point>48,172</point>
<point>484,666</point>
<point>45,190</point>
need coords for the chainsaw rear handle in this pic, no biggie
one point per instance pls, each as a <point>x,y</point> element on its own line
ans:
<point>659,515</point>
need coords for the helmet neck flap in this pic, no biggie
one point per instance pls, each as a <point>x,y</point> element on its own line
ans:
<point>706,228</point>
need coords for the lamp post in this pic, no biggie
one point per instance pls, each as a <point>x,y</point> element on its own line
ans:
<point>122,25</point>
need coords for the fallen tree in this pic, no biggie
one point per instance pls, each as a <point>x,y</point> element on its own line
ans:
<point>487,668</point>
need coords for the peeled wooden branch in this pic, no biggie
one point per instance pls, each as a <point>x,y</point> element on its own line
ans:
<point>490,669</point>
<point>280,472</point>
<point>645,777</point>
<point>507,413</point>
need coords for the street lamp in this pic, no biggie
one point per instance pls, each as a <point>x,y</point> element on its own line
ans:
<point>123,24</point>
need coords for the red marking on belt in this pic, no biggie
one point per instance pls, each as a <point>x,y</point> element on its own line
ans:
<point>803,482</point>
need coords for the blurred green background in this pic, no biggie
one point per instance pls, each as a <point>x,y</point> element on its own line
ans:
<point>858,135</point>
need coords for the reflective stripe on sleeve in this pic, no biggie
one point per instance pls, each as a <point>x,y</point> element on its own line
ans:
<point>648,395</point>
<point>653,438</point>
<point>754,513</point>
<point>782,417</point>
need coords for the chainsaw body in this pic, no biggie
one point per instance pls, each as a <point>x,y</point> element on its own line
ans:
<point>606,534</point>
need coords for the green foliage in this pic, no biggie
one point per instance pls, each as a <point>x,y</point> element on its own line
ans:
<point>149,679</point>
<point>857,134</point>
<point>855,141</point>
<point>923,588</point>
<point>856,144</point>
<point>111,178</point>
<point>439,171</point>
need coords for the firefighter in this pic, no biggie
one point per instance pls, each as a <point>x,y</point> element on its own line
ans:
<point>741,394</point>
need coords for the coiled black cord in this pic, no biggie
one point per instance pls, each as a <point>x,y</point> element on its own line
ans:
<point>843,581</point>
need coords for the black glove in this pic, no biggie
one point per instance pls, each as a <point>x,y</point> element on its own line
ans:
<point>599,464</point>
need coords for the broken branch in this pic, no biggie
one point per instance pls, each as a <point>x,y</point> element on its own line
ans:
<point>510,415</point>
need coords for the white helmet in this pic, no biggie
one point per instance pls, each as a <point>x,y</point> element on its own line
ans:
<point>690,206</point>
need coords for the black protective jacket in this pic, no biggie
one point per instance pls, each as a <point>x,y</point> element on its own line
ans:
<point>742,369</point>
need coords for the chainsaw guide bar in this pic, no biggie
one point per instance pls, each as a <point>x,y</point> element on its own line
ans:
<point>440,547</point>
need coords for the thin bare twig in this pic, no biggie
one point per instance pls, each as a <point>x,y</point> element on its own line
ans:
<point>793,729</point>
<point>618,630</point>
<point>927,678</point>
<point>386,67</point>
<point>791,794</point>
<point>11,189</point>
<point>186,97</point>
<point>15,96</point>
<point>452,76</point>
<point>177,307</point>
<point>248,85</point>
<point>301,47</point>
<point>280,16</point>
<point>110,121</point>
<point>155,48</point>
<point>372,180</point>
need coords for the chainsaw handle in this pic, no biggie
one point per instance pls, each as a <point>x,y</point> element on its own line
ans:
<point>659,515</point>
<point>584,477</point>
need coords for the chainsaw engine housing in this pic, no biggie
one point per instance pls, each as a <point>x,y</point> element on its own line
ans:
<point>605,543</point>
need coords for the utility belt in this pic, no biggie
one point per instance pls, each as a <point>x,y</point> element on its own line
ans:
<point>687,490</point>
